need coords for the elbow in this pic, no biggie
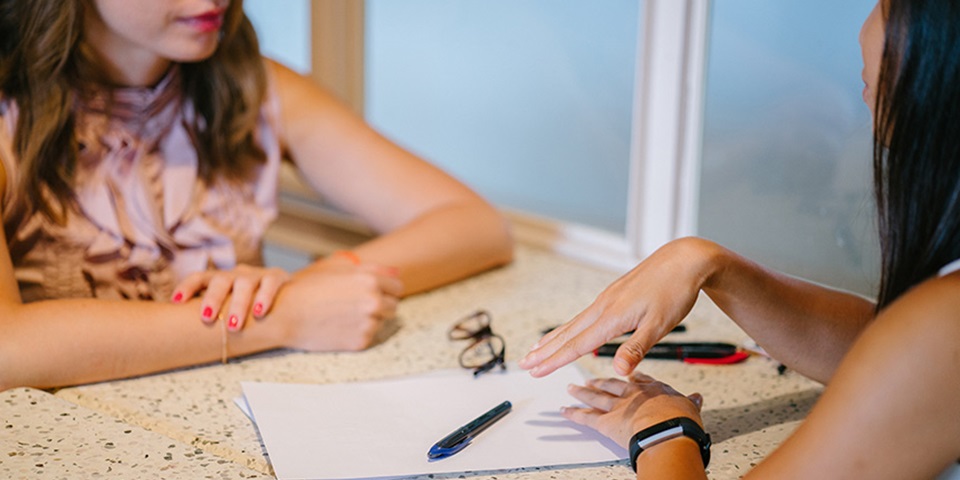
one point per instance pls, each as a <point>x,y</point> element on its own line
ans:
<point>14,363</point>
<point>6,367</point>
<point>500,240</point>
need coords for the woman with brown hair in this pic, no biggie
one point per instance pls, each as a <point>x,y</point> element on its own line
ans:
<point>140,143</point>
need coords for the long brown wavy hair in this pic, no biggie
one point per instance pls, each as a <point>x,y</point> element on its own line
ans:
<point>43,62</point>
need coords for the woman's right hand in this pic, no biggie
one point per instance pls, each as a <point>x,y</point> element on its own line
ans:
<point>651,299</point>
<point>337,306</point>
<point>619,409</point>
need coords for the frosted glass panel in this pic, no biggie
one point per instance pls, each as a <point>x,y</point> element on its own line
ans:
<point>786,149</point>
<point>528,101</point>
<point>283,29</point>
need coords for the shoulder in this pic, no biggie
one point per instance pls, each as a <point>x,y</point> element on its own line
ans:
<point>898,384</point>
<point>931,306</point>
<point>286,85</point>
<point>282,77</point>
<point>305,109</point>
<point>920,330</point>
<point>297,94</point>
<point>915,344</point>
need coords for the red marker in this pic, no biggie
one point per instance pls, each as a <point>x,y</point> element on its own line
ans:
<point>713,353</point>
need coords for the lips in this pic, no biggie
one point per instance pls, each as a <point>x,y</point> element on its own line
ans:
<point>206,22</point>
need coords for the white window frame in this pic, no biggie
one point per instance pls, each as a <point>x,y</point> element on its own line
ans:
<point>665,144</point>
<point>668,124</point>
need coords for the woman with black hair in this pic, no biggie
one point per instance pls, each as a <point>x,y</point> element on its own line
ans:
<point>891,409</point>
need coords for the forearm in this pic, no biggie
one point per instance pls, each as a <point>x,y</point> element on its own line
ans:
<point>67,342</point>
<point>808,327</point>
<point>444,245</point>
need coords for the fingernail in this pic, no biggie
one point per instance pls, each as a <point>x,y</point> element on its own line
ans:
<point>233,322</point>
<point>525,361</point>
<point>536,370</point>
<point>177,297</point>
<point>257,309</point>
<point>208,312</point>
<point>620,365</point>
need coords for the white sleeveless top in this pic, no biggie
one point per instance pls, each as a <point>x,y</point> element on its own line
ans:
<point>952,472</point>
<point>950,268</point>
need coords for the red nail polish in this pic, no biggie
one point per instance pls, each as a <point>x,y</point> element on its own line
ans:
<point>178,297</point>
<point>257,309</point>
<point>207,312</point>
<point>233,322</point>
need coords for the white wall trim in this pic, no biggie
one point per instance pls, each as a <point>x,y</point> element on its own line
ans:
<point>589,245</point>
<point>307,225</point>
<point>688,193</point>
<point>667,119</point>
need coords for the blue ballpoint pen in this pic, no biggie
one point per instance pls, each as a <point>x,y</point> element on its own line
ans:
<point>462,436</point>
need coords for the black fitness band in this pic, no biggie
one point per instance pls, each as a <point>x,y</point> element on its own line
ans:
<point>670,429</point>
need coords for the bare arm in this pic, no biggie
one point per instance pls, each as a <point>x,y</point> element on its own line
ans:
<point>434,229</point>
<point>890,411</point>
<point>62,342</point>
<point>807,326</point>
<point>71,341</point>
<point>67,342</point>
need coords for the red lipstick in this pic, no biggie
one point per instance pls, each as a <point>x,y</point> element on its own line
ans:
<point>206,22</point>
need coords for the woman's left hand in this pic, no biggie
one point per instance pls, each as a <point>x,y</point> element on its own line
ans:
<point>619,409</point>
<point>233,295</point>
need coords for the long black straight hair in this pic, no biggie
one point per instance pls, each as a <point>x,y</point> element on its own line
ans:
<point>917,143</point>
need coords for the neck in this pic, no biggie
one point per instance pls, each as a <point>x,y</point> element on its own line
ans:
<point>133,73</point>
<point>122,63</point>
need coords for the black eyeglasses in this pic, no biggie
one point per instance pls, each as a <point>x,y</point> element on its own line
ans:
<point>487,349</point>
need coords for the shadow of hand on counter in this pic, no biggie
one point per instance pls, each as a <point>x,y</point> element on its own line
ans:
<point>388,329</point>
<point>726,423</point>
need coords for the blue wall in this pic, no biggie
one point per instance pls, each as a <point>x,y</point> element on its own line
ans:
<point>528,101</point>
<point>787,141</point>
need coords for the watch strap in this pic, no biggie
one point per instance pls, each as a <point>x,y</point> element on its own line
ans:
<point>667,430</point>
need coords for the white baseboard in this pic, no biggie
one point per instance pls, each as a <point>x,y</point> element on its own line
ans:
<point>308,226</point>
<point>593,246</point>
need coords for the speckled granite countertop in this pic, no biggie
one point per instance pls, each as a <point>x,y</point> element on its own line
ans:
<point>749,408</point>
<point>42,436</point>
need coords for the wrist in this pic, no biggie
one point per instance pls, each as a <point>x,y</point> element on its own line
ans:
<point>700,260</point>
<point>678,458</point>
<point>339,258</point>
<point>670,431</point>
<point>710,261</point>
<point>277,327</point>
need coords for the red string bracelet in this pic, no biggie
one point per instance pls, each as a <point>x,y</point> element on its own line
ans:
<point>347,254</point>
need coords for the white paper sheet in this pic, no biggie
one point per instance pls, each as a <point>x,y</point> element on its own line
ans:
<point>384,428</point>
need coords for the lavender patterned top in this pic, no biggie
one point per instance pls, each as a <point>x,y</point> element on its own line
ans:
<point>143,219</point>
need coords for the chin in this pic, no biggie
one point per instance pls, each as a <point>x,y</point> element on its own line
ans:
<point>193,52</point>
